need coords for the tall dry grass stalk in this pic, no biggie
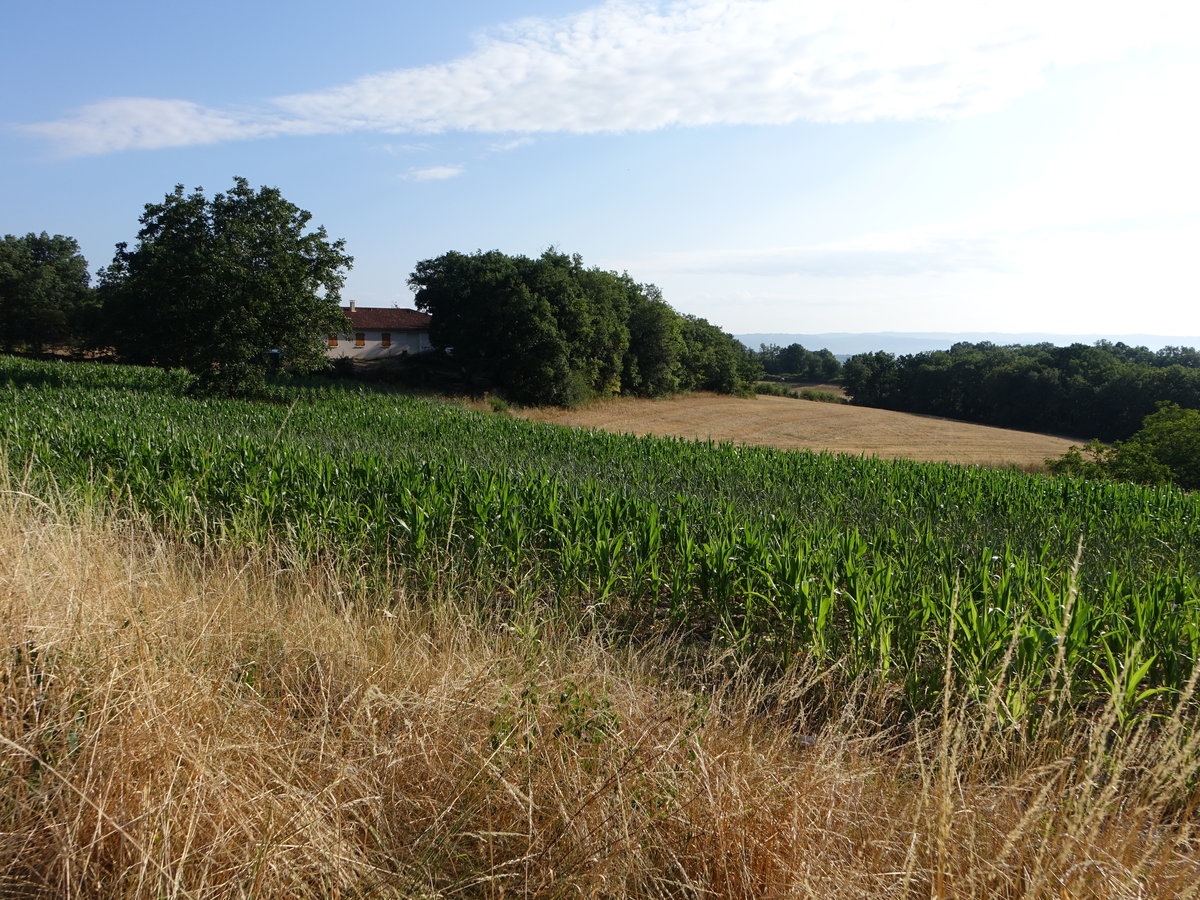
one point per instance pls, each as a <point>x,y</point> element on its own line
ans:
<point>187,724</point>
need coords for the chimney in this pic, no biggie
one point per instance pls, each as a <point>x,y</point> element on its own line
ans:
<point>353,305</point>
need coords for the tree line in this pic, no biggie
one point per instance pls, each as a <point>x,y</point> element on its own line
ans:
<point>214,284</point>
<point>799,363</point>
<point>211,285</point>
<point>1103,391</point>
<point>552,331</point>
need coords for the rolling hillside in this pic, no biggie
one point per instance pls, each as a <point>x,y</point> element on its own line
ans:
<point>795,424</point>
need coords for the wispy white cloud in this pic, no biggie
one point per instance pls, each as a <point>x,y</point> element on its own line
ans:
<point>510,145</point>
<point>434,173</point>
<point>402,149</point>
<point>639,64</point>
<point>123,123</point>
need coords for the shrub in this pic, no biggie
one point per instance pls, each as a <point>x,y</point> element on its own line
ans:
<point>820,396</point>
<point>778,390</point>
<point>1165,450</point>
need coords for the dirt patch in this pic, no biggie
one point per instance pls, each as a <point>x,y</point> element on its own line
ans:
<point>802,424</point>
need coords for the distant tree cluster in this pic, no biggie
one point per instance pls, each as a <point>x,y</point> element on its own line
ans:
<point>1100,391</point>
<point>45,301</point>
<point>801,364</point>
<point>550,331</point>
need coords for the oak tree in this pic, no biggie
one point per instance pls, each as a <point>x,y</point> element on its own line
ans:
<point>43,291</point>
<point>214,285</point>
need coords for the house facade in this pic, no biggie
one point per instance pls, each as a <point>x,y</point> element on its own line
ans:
<point>379,333</point>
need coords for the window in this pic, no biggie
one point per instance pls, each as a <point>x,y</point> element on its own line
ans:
<point>386,339</point>
<point>360,339</point>
<point>333,340</point>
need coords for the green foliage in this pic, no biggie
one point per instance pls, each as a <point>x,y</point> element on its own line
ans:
<point>212,285</point>
<point>549,331</point>
<point>820,396</point>
<point>652,361</point>
<point>1171,437</point>
<point>866,566</point>
<point>870,378</point>
<point>713,361</point>
<point>800,364</point>
<point>1102,391</point>
<point>44,295</point>
<point>778,390</point>
<point>1166,450</point>
<point>1088,461</point>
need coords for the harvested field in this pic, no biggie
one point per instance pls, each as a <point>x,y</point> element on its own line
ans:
<point>802,424</point>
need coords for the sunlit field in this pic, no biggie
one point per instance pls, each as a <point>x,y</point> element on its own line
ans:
<point>792,424</point>
<point>358,644</point>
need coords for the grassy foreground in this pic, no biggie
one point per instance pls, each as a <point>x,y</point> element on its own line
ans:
<point>189,722</point>
<point>1050,591</point>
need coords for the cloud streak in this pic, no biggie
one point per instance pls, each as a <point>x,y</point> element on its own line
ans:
<point>636,65</point>
<point>435,173</point>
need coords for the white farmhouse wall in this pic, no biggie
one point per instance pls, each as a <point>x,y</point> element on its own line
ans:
<point>373,347</point>
<point>381,333</point>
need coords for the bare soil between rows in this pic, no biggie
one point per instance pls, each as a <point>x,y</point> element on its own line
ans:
<point>803,424</point>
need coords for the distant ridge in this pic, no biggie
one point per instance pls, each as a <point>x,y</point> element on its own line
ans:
<point>899,342</point>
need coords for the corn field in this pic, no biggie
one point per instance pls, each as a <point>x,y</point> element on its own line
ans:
<point>1030,589</point>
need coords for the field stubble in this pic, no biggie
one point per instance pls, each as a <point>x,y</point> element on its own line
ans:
<point>803,425</point>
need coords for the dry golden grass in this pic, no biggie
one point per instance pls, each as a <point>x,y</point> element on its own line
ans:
<point>801,424</point>
<point>187,724</point>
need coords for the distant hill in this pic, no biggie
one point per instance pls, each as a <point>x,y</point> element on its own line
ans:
<point>898,342</point>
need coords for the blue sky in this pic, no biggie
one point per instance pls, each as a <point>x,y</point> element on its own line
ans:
<point>773,165</point>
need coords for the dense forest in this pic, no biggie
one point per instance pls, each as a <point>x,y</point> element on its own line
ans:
<point>549,331</point>
<point>1100,391</point>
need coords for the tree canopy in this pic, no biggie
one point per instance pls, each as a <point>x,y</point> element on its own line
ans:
<point>43,291</point>
<point>1165,449</point>
<point>550,331</point>
<point>1103,390</point>
<point>213,285</point>
<point>800,363</point>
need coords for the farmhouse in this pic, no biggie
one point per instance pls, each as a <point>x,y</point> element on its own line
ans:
<point>379,332</point>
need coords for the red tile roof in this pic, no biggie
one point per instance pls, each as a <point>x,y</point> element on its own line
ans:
<point>380,318</point>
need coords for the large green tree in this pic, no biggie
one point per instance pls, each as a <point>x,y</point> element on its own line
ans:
<point>870,378</point>
<point>550,331</point>
<point>1171,437</point>
<point>213,285</point>
<point>654,359</point>
<point>43,291</point>
<point>502,331</point>
<point>713,360</point>
<point>1165,449</point>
